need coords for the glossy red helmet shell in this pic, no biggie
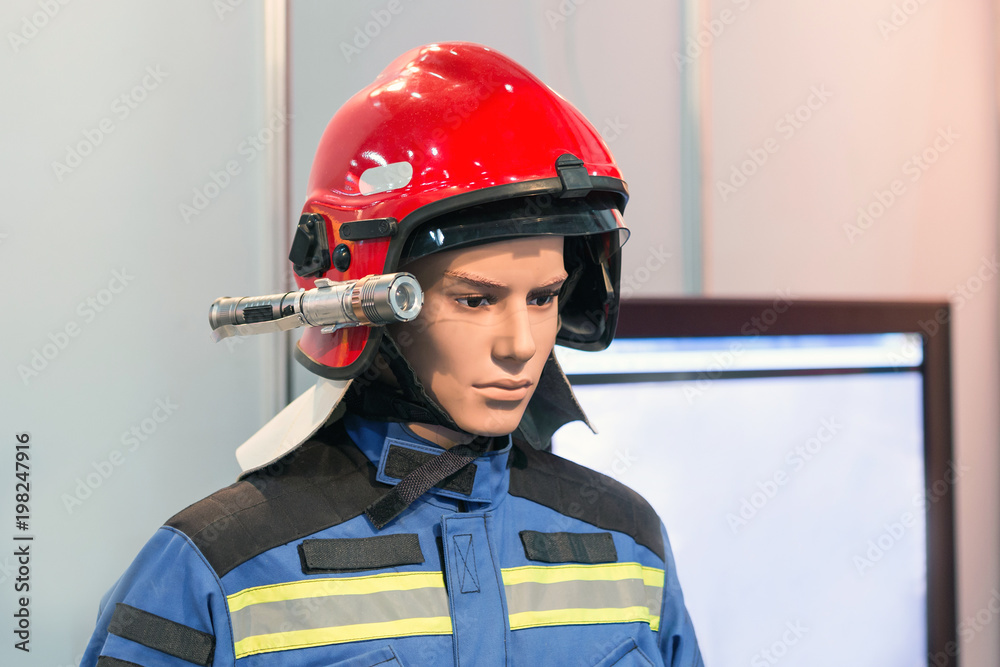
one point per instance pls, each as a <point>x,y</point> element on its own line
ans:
<point>444,128</point>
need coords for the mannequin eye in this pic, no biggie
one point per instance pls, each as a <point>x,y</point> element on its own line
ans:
<point>542,299</point>
<point>475,301</point>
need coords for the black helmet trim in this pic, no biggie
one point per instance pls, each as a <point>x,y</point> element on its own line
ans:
<point>588,304</point>
<point>542,215</point>
<point>552,187</point>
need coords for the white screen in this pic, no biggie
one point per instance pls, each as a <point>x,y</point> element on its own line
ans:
<point>794,505</point>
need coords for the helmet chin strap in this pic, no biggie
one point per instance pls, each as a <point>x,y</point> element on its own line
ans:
<point>374,399</point>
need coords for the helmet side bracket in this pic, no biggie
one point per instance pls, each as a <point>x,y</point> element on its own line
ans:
<point>310,251</point>
<point>573,176</point>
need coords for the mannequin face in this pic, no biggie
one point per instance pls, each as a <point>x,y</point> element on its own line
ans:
<point>488,324</point>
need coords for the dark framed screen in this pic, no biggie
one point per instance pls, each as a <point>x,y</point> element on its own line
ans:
<point>800,456</point>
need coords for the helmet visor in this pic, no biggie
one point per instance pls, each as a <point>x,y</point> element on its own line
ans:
<point>535,216</point>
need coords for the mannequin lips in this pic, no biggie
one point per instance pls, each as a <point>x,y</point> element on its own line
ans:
<point>506,384</point>
<point>505,390</point>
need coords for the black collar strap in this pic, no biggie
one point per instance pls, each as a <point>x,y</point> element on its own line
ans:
<point>418,482</point>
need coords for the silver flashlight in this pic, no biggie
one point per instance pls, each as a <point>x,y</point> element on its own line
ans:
<point>370,301</point>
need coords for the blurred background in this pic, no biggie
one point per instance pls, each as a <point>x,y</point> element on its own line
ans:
<point>155,157</point>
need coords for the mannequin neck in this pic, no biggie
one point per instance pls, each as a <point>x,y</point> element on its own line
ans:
<point>440,435</point>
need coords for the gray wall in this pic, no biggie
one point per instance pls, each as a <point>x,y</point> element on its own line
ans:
<point>101,250</point>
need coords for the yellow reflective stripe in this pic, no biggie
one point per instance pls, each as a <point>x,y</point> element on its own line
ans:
<point>552,574</point>
<point>652,576</point>
<point>626,586</point>
<point>312,588</point>
<point>540,595</point>
<point>535,619</point>
<point>280,641</point>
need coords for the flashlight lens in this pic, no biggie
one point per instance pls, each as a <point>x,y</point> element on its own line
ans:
<point>403,297</point>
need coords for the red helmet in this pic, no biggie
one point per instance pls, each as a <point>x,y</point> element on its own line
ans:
<point>455,144</point>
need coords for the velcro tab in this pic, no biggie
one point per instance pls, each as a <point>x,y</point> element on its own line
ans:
<point>401,461</point>
<point>162,634</point>
<point>107,661</point>
<point>569,547</point>
<point>363,553</point>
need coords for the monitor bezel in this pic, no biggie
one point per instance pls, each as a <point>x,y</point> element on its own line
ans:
<point>786,316</point>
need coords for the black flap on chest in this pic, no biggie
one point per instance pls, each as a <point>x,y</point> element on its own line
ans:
<point>569,547</point>
<point>363,553</point>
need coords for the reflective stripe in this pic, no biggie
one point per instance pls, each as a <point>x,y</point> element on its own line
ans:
<point>581,594</point>
<point>316,612</point>
<point>535,619</point>
<point>283,641</point>
<point>654,602</point>
<point>550,574</point>
<point>333,611</point>
<point>330,611</point>
<point>311,588</point>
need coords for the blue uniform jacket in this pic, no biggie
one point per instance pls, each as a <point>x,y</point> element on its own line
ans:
<point>522,559</point>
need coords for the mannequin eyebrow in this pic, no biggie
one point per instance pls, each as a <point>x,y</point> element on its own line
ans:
<point>485,283</point>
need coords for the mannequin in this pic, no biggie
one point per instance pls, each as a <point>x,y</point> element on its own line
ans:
<point>405,510</point>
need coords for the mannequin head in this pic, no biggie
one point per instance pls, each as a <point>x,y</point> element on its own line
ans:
<point>488,324</point>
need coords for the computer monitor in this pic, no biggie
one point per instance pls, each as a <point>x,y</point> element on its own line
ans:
<point>799,454</point>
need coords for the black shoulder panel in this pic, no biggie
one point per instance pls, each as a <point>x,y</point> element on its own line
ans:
<point>323,483</point>
<point>583,494</point>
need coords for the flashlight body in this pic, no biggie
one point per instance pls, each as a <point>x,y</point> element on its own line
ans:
<point>370,301</point>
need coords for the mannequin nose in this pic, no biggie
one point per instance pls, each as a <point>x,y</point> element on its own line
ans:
<point>515,339</point>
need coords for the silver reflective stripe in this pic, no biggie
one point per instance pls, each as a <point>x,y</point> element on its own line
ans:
<point>531,596</point>
<point>330,611</point>
<point>654,599</point>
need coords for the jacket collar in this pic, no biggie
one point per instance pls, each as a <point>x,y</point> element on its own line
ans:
<point>386,443</point>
